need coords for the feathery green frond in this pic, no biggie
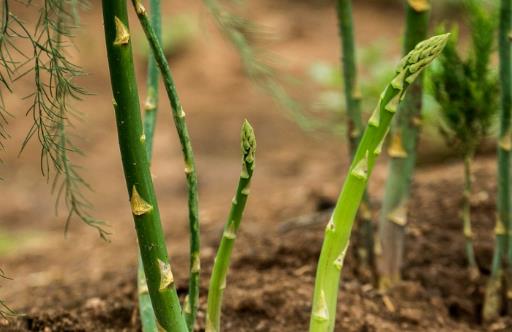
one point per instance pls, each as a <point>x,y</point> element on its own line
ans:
<point>5,311</point>
<point>467,89</point>
<point>240,32</point>
<point>53,93</point>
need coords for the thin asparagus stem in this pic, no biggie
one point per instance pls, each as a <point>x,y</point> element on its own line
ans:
<point>474,271</point>
<point>147,316</point>
<point>152,100</point>
<point>337,233</point>
<point>354,121</point>
<point>143,200</point>
<point>402,150</point>
<point>222,259</point>
<point>190,309</point>
<point>503,246</point>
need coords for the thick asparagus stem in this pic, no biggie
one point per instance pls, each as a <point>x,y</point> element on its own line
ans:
<point>147,316</point>
<point>474,271</point>
<point>222,259</point>
<point>503,250</point>
<point>338,229</point>
<point>355,122</point>
<point>402,150</point>
<point>136,169</point>
<point>190,309</point>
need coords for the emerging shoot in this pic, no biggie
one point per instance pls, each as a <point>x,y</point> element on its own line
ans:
<point>222,259</point>
<point>336,241</point>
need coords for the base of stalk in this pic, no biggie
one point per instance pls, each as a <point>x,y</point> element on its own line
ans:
<point>474,273</point>
<point>388,282</point>
<point>493,302</point>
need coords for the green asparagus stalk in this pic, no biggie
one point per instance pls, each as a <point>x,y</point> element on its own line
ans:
<point>337,233</point>
<point>143,200</point>
<point>222,259</point>
<point>151,103</point>
<point>190,308</point>
<point>503,249</point>
<point>402,150</point>
<point>355,122</point>
<point>474,271</point>
<point>147,316</point>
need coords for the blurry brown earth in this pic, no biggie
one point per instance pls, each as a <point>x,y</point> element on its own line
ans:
<point>80,283</point>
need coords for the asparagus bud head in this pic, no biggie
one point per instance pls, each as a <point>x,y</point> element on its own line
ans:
<point>420,57</point>
<point>248,141</point>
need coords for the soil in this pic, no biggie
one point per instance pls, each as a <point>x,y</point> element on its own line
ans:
<point>80,283</point>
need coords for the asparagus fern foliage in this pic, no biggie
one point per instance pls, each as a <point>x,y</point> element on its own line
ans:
<point>54,91</point>
<point>5,311</point>
<point>467,91</point>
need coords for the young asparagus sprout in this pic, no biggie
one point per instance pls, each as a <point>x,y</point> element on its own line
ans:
<point>222,259</point>
<point>467,91</point>
<point>188,156</point>
<point>336,242</point>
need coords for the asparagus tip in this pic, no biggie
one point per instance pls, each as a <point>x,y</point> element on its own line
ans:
<point>248,142</point>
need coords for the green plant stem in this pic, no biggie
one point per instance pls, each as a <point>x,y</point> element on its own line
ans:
<point>402,150</point>
<point>145,211</point>
<point>337,233</point>
<point>151,103</point>
<point>147,316</point>
<point>503,249</point>
<point>474,271</point>
<point>190,308</point>
<point>354,120</point>
<point>222,259</point>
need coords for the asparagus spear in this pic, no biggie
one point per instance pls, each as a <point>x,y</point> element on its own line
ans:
<point>503,246</point>
<point>337,233</point>
<point>222,259</point>
<point>143,200</point>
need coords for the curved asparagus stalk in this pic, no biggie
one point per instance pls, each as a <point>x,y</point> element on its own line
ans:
<point>494,289</point>
<point>337,233</point>
<point>144,206</point>
<point>190,308</point>
<point>222,259</point>
<point>402,150</point>
<point>147,316</point>
<point>355,122</point>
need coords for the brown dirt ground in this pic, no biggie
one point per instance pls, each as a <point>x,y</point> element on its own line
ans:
<point>79,283</point>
